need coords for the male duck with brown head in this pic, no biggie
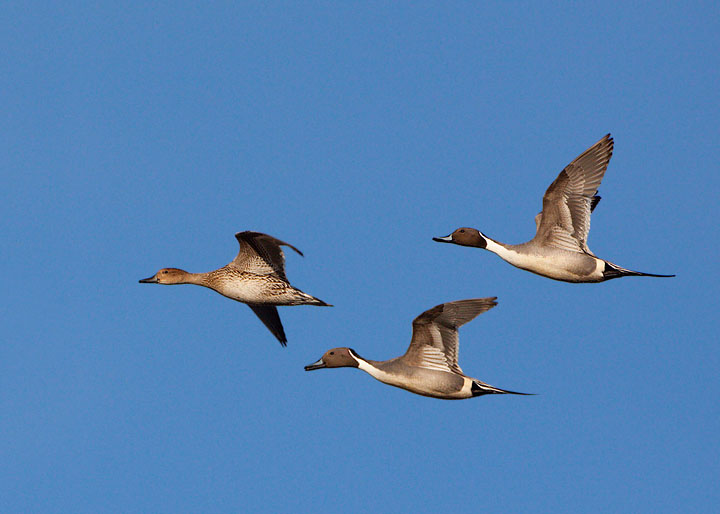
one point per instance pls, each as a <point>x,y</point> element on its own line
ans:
<point>255,277</point>
<point>559,249</point>
<point>430,365</point>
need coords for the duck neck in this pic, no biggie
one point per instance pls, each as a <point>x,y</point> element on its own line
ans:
<point>384,375</point>
<point>367,367</point>
<point>199,279</point>
<point>378,373</point>
<point>508,253</point>
<point>493,246</point>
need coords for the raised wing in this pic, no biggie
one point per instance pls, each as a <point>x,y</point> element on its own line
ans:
<point>565,219</point>
<point>261,254</point>
<point>434,343</point>
<point>595,200</point>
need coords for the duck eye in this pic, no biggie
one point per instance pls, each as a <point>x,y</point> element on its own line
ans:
<point>165,271</point>
<point>332,353</point>
<point>462,231</point>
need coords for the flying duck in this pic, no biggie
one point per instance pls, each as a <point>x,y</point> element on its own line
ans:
<point>559,249</point>
<point>430,365</point>
<point>255,277</point>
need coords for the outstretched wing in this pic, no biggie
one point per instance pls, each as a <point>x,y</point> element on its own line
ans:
<point>261,254</point>
<point>565,219</point>
<point>434,343</point>
<point>268,314</point>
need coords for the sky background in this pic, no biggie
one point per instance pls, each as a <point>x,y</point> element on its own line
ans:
<point>136,137</point>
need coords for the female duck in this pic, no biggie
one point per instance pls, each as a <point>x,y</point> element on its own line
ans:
<point>255,277</point>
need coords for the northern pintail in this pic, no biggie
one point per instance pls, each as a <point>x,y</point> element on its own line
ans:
<point>559,249</point>
<point>255,277</point>
<point>429,367</point>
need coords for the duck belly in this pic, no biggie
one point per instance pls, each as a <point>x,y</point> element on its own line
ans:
<point>425,382</point>
<point>558,265</point>
<point>260,290</point>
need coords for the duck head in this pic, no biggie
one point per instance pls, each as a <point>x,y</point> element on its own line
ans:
<point>465,236</point>
<point>167,276</point>
<point>336,358</point>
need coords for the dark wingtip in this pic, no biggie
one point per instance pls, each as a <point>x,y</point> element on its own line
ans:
<point>283,243</point>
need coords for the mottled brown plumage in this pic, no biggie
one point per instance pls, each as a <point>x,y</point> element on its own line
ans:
<point>255,277</point>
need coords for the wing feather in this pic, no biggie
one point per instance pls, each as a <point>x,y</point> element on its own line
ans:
<point>567,204</point>
<point>261,254</point>
<point>268,314</point>
<point>434,343</point>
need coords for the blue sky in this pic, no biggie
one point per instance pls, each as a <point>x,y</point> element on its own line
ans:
<point>140,137</point>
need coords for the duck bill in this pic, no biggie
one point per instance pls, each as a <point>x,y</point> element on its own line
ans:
<point>446,239</point>
<point>316,365</point>
<point>149,280</point>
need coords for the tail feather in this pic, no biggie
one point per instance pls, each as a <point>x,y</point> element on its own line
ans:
<point>480,388</point>
<point>311,300</point>
<point>302,298</point>
<point>614,271</point>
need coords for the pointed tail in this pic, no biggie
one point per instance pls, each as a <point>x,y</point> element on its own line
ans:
<point>311,300</point>
<point>320,303</point>
<point>301,298</point>
<point>480,388</point>
<point>614,271</point>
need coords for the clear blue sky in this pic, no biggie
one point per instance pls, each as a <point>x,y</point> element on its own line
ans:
<point>139,137</point>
